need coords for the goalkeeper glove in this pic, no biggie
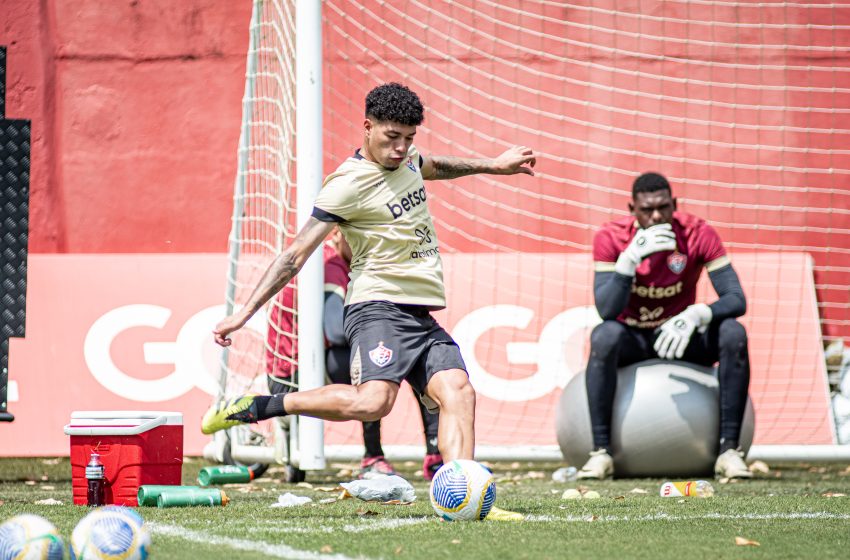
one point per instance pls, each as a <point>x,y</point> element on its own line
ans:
<point>675,334</point>
<point>646,242</point>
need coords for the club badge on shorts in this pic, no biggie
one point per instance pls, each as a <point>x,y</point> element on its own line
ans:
<point>676,262</point>
<point>380,355</point>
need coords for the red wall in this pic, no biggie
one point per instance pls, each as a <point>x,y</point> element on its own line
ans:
<point>135,112</point>
<point>136,106</point>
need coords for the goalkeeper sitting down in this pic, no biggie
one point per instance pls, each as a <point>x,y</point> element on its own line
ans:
<point>378,199</point>
<point>647,267</point>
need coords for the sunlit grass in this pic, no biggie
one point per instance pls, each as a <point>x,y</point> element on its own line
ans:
<point>793,511</point>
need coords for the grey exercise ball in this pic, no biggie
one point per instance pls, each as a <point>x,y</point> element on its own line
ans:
<point>665,421</point>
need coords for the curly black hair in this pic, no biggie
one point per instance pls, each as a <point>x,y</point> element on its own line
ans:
<point>650,182</point>
<point>396,103</point>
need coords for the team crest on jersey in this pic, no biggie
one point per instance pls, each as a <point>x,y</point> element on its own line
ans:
<point>410,164</point>
<point>676,262</point>
<point>380,355</point>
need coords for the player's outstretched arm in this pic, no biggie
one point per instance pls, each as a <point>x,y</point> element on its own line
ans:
<point>518,159</point>
<point>282,269</point>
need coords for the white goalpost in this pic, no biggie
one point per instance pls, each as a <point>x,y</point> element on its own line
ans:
<point>272,198</point>
<point>311,339</point>
<point>742,105</point>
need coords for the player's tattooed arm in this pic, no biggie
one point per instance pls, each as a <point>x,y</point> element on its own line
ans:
<point>448,167</point>
<point>282,269</point>
<point>518,159</point>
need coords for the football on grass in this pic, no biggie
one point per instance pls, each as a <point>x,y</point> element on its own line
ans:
<point>30,537</point>
<point>111,532</point>
<point>463,490</point>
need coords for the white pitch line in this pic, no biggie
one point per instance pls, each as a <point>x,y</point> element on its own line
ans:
<point>707,516</point>
<point>362,527</point>
<point>385,524</point>
<point>268,550</point>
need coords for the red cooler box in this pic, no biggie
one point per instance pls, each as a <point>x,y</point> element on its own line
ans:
<point>135,448</point>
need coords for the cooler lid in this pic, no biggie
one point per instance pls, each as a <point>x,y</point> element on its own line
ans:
<point>120,422</point>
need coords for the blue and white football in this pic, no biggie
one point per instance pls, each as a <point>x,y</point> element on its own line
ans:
<point>111,532</point>
<point>463,490</point>
<point>30,537</point>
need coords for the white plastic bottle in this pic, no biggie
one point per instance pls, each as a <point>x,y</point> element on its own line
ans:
<point>565,474</point>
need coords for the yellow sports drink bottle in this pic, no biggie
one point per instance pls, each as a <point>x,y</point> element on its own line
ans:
<point>687,488</point>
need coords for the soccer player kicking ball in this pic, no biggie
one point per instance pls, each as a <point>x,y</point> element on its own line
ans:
<point>647,268</point>
<point>282,354</point>
<point>378,199</point>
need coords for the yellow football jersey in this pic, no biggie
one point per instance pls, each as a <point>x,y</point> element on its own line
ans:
<point>384,217</point>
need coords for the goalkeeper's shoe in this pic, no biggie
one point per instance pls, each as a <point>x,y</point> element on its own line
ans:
<point>730,464</point>
<point>229,413</point>
<point>600,466</point>
<point>499,514</point>
<point>430,465</point>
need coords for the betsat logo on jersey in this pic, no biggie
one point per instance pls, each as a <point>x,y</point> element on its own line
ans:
<point>407,202</point>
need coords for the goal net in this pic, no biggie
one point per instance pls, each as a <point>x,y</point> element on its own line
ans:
<point>742,105</point>
<point>264,213</point>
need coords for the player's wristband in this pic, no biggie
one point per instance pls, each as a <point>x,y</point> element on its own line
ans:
<point>700,313</point>
<point>625,265</point>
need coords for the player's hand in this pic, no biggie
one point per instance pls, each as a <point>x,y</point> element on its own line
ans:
<point>519,159</point>
<point>227,325</point>
<point>646,242</point>
<point>675,335</point>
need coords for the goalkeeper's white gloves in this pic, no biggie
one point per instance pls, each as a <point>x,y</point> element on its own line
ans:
<point>675,334</point>
<point>646,242</point>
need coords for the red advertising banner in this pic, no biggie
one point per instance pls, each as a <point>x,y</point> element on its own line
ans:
<point>132,332</point>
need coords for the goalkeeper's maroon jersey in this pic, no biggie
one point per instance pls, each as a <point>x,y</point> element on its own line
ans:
<point>665,282</point>
<point>281,345</point>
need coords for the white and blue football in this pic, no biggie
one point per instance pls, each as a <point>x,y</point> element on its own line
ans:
<point>463,490</point>
<point>30,537</point>
<point>111,532</point>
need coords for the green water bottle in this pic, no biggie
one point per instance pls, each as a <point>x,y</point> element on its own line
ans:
<point>148,493</point>
<point>225,474</point>
<point>195,497</point>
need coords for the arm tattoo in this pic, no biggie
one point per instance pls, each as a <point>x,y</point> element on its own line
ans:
<point>287,264</point>
<point>280,272</point>
<point>448,167</point>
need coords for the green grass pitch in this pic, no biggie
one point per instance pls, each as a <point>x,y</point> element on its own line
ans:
<point>794,511</point>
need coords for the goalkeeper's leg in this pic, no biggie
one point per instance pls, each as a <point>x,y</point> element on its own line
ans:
<point>725,342</point>
<point>612,344</point>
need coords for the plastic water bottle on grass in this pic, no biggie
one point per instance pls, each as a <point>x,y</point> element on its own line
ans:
<point>565,474</point>
<point>687,489</point>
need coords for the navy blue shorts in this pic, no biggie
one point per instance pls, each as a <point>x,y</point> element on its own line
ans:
<point>394,342</point>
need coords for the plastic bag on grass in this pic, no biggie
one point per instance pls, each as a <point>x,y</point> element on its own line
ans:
<point>291,500</point>
<point>381,489</point>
